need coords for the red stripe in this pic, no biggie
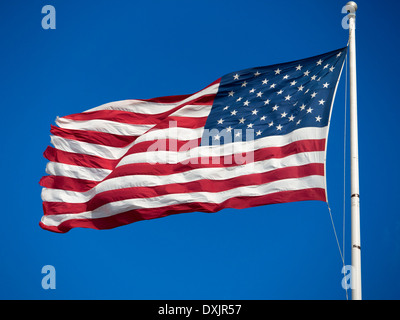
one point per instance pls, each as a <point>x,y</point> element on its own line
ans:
<point>118,116</point>
<point>206,99</point>
<point>168,99</point>
<point>153,213</point>
<point>84,160</point>
<point>180,122</point>
<point>67,183</point>
<point>214,186</point>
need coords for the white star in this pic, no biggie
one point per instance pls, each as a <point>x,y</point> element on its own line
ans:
<point>306,73</point>
<point>231,93</point>
<point>331,68</point>
<point>274,108</point>
<point>313,94</point>
<point>326,84</point>
<point>293,82</point>
<point>244,84</point>
<point>236,77</point>
<point>302,107</point>
<point>233,113</point>
<point>339,54</point>
<point>265,81</point>
<point>250,125</point>
<point>319,62</point>
<point>326,66</point>
<point>318,119</point>
<point>321,102</point>
<point>216,137</point>
<point>299,67</point>
<point>272,85</point>
<point>279,127</point>
<point>309,110</point>
<point>229,129</point>
<point>258,133</point>
<point>287,98</point>
<point>259,94</point>
<point>280,92</point>
<point>271,124</point>
<point>239,99</point>
<point>298,122</point>
<point>246,103</point>
<point>283,115</point>
<point>267,102</point>
<point>262,118</point>
<point>226,108</point>
<point>255,111</point>
<point>252,90</point>
<point>291,118</point>
<point>313,77</point>
<point>237,134</point>
<point>278,71</point>
<point>242,120</point>
<point>285,77</point>
<point>301,88</point>
<point>257,74</point>
<point>220,121</point>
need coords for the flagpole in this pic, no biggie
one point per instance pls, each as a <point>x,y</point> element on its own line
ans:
<point>355,193</point>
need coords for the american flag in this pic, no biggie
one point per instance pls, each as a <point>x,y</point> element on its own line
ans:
<point>253,137</point>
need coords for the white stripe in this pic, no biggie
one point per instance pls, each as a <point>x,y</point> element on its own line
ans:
<point>217,173</point>
<point>154,156</point>
<point>114,208</point>
<point>136,106</point>
<point>92,149</point>
<point>193,111</point>
<point>67,170</point>
<point>107,126</point>
<point>210,90</point>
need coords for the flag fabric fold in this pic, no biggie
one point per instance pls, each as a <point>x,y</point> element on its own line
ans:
<point>253,137</point>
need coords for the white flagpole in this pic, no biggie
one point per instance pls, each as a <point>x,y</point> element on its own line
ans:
<point>355,193</point>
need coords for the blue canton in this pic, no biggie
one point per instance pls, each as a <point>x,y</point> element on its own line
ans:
<point>274,100</point>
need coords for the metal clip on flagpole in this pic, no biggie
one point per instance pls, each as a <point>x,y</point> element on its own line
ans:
<point>355,193</point>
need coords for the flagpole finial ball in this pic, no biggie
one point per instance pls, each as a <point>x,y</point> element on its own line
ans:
<point>353,5</point>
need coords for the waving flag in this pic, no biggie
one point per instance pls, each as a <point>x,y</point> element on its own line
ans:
<point>253,137</point>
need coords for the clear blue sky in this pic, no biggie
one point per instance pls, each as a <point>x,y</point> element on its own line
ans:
<point>103,51</point>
